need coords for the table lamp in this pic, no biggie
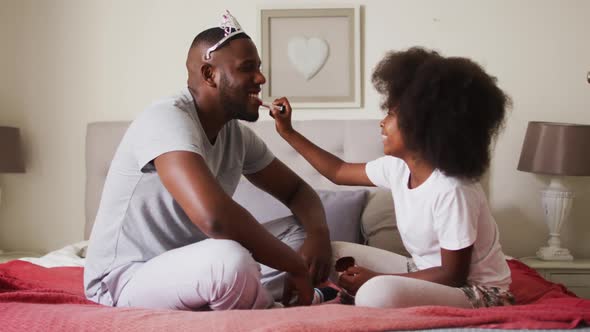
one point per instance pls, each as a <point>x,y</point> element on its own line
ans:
<point>557,149</point>
<point>11,155</point>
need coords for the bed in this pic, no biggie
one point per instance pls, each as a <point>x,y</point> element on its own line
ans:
<point>40,294</point>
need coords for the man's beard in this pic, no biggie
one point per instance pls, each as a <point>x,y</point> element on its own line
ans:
<point>232,105</point>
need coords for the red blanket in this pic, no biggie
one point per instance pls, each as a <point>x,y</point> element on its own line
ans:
<point>33,298</point>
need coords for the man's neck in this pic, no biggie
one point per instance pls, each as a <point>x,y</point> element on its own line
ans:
<point>210,115</point>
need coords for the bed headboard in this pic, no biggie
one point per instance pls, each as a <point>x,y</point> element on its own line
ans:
<point>351,140</point>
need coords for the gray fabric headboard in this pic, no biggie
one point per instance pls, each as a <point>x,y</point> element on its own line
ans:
<point>351,140</point>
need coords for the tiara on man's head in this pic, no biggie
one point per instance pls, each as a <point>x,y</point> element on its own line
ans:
<point>230,26</point>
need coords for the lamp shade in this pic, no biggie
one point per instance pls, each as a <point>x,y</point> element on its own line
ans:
<point>11,154</point>
<point>556,148</point>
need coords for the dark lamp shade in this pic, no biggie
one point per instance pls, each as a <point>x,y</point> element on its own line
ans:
<point>11,154</point>
<point>556,148</point>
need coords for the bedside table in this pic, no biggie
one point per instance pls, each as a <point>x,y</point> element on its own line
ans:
<point>575,275</point>
<point>6,256</point>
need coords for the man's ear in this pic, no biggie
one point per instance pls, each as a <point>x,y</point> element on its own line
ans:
<point>208,74</point>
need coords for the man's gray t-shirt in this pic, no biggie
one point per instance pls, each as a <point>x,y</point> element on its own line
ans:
<point>137,218</point>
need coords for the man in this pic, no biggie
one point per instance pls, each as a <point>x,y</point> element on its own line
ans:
<point>167,232</point>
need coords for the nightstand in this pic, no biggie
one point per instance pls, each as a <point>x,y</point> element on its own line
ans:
<point>575,275</point>
<point>6,256</point>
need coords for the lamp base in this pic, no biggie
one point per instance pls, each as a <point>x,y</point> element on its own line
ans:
<point>554,254</point>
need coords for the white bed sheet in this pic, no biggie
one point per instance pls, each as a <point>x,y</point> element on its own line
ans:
<point>70,255</point>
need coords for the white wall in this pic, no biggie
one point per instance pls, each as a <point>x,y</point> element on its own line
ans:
<point>64,63</point>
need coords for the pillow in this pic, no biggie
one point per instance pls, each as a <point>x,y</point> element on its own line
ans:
<point>260,204</point>
<point>343,209</point>
<point>343,213</point>
<point>378,225</point>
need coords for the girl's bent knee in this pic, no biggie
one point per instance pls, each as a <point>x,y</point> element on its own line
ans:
<point>382,292</point>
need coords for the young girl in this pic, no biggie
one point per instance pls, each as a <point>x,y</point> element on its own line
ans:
<point>442,115</point>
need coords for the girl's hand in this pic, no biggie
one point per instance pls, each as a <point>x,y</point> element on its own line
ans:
<point>354,277</point>
<point>282,120</point>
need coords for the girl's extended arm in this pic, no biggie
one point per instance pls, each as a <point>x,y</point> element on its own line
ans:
<point>330,166</point>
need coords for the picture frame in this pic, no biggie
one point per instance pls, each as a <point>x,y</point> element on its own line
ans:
<point>312,56</point>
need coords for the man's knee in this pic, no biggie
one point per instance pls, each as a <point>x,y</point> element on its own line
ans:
<point>228,251</point>
<point>233,259</point>
<point>238,279</point>
<point>225,247</point>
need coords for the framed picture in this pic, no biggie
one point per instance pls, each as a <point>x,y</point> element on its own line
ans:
<point>312,56</point>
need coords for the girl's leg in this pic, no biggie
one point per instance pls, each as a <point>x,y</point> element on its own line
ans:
<point>394,291</point>
<point>375,259</point>
<point>402,292</point>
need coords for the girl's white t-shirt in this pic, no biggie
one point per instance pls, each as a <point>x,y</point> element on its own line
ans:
<point>444,212</point>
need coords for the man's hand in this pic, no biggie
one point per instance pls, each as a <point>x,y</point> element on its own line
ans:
<point>317,255</point>
<point>297,285</point>
<point>354,277</point>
